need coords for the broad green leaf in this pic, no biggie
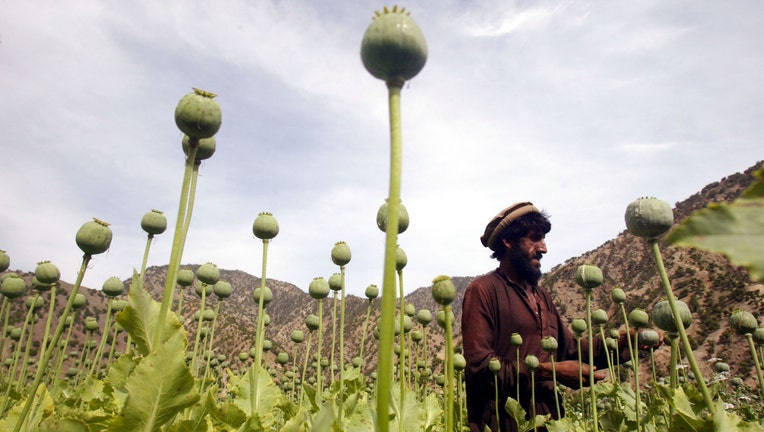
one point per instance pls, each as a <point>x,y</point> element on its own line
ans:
<point>199,425</point>
<point>42,408</point>
<point>433,413</point>
<point>55,424</point>
<point>158,389</point>
<point>299,423</point>
<point>517,412</point>
<point>271,404</point>
<point>727,421</point>
<point>141,317</point>
<point>735,230</point>
<point>227,412</point>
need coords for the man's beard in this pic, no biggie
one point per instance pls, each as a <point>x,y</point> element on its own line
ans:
<point>522,264</point>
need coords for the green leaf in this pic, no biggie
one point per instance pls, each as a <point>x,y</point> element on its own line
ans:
<point>735,230</point>
<point>159,388</point>
<point>756,190</point>
<point>271,405</point>
<point>141,317</point>
<point>42,408</point>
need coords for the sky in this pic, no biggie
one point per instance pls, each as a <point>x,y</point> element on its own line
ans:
<point>578,106</point>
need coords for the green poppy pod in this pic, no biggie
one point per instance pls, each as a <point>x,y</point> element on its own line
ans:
<point>318,288</point>
<point>409,310</point>
<point>416,336</point>
<point>185,277</point>
<point>198,115</point>
<point>737,382</point>
<point>208,274</point>
<point>588,276</point>
<point>208,355</point>
<point>341,253</point>
<point>312,322</point>
<point>266,319</point>
<point>154,222</point>
<point>335,282</point>
<point>638,318</point>
<point>460,363</point>
<point>297,336</point>
<point>5,261</point>
<point>15,333</point>
<point>204,150</point>
<point>549,344</point>
<point>94,237</point>
<point>743,322</point>
<point>119,305</point>
<point>614,333</point>
<point>424,317</point>
<point>203,288</point>
<point>72,372</point>
<point>648,217</point>
<point>611,343</point>
<point>664,318</point>
<point>252,352</point>
<point>531,362</point>
<point>494,365</point>
<point>400,259</point>
<point>39,286</point>
<point>408,324</point>
<point>243,356</point>
<point>357,362</point>
<point>599,317</point>
<point>80,301</point>
<point>208,315</point>
<point>440,318</point>
<point>35,302</point>
<point>618,295</point>
<point>282,358</point>
<point>265,226</point>
<point>443,290</point>
<point>758,335</point>
<point>721,367</point>
<point>222,289</point>
<point>267,345</point>
<point>516,339</point>
<point>578,325</point>
<point>649,338</point>
<point>324,363</point>
<point>393,47</point>
<point>382,216</point>
<point>13,286</point>
<point>372,292</point>
<point>47,273</point>
<point>204,332</point>
<point>91,324</point>
<point>69,320</point>
<point>113,287</point>
<point>267,295</point>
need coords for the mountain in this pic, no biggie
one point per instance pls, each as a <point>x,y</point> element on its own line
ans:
<point>707,282</point>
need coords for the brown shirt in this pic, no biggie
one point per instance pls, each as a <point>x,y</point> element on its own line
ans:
<point>494,308</point>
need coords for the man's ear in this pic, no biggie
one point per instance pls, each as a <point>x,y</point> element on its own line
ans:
<point>507,243</point>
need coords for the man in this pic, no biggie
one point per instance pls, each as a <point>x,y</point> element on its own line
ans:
<point>508,300</point>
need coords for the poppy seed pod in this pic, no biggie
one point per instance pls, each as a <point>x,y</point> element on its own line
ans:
<point>47,273</point>
<point>94,237</point>
<point>13,286</point>
<point>460,363</point>
<point>372,292</point>
<point>494,365</point>
<point>265,226</point>
<point>79,301</point>
<point>664,318</point>
<point>222,289</point>
<point>113,287</point>
<point>5,261</point>
<point>549,344</point>
<point>599,317</point>
<point>516,339</point>
<point>312,322</point>
<point>618,295</point>
<point>335,282</point>
<point>204,150</point>
<point>578,326</point>
<point>588,276</point>
<point>440,318</point>
<point>198,115</point>
<point>297,336</point>
<point>208,274</point>
<point>531,362</point>
<point>382,215</point>
<point>393,47</point>
<point>318,288</point>
<point>400,259</point>
<point>203,288</point>
<point>649,338</point>
<point>443,290</point>
<point>267,297</point>
<point>638,318</point>
<point>758,335</point>
<point>154,222</point>
<point>341,253</point>
<point>743,322</point>
<point>91,324</point>
<point>185,277</point>
<point>424,316</point>
<point>648,217</point>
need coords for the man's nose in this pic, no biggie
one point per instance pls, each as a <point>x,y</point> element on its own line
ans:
<point>541,247</point>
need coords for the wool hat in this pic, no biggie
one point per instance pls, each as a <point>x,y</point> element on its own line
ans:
<point>499,223</point>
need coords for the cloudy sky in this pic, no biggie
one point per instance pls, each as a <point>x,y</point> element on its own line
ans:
<point>580,107</point>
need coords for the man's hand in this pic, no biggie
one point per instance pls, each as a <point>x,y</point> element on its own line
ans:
<point>567,373</point>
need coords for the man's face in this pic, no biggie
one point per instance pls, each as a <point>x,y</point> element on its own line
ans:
<point>525,256</point>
